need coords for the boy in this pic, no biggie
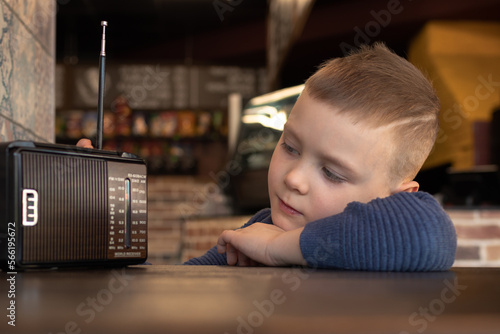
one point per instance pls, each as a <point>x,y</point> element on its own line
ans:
<point>341,177</point>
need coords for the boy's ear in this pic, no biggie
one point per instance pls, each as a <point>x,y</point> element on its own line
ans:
<point>410,187</point>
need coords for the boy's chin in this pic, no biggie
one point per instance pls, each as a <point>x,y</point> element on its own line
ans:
<point>287,223</point>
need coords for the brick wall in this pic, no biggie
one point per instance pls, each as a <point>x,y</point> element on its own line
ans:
<point>201,234</point>
<point>478,234</point>
<point>187,214</point>
<point>173,204</point>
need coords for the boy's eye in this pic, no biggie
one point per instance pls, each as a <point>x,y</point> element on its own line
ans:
<point>332,176</point>
<point>288,148</point>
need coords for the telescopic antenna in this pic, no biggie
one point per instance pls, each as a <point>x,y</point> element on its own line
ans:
<point>102,72</point>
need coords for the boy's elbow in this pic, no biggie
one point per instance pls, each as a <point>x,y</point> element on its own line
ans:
<point>441,255</point>
<point>431,248</point>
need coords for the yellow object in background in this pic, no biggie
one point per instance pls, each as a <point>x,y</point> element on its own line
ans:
<point>463,61</point>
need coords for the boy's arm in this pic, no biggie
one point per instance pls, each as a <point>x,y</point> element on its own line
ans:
<point>263,243</point>
<point>211,257</point>
<point>403,232</point>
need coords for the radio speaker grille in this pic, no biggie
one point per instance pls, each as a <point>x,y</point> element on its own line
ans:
<point>72,208</point>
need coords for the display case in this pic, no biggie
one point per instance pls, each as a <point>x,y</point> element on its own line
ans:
<point>173,116</point>
<point>261,126</point>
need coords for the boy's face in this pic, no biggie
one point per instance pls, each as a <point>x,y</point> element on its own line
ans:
<point>323,162</point>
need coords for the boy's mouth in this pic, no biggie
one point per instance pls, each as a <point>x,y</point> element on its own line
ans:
<point>288,209</point>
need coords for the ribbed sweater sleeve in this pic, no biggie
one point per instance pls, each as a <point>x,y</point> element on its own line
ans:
<point>402,232</point>
<point>211,257</point>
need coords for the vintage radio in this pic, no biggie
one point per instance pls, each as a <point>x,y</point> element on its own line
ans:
<point>63,205</point>
<point>68,206</point>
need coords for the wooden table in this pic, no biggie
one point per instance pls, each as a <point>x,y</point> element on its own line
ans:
<point>211,299</point>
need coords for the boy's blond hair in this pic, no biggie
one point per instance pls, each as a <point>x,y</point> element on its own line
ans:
<point>378,88</point>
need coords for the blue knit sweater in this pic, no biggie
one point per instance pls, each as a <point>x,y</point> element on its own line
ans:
<point>402,232</point>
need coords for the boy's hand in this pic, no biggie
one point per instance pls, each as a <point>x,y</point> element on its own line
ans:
<point>84,142</point>
<point>261,243</point>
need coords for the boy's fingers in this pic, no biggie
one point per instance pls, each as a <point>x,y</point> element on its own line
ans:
<point>231,255</point>
<point>84,142</point>
<point>243,260</point>
<point>221,246</point>
<point>223,242</point>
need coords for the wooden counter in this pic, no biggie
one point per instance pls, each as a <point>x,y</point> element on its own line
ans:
<point>211,299</point>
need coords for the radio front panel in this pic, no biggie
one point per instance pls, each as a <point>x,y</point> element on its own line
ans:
<point>81,207</point>
<point>127,196</point>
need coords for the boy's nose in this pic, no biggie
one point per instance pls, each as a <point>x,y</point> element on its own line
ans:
<point>297,180</point>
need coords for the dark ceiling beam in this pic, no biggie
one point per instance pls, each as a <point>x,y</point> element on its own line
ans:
<point>195,33</point>
<point>331,25</point>
<point>328,21</point>
<point>231,42</point>
<point>337,19</point>
<point>214,45</point>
